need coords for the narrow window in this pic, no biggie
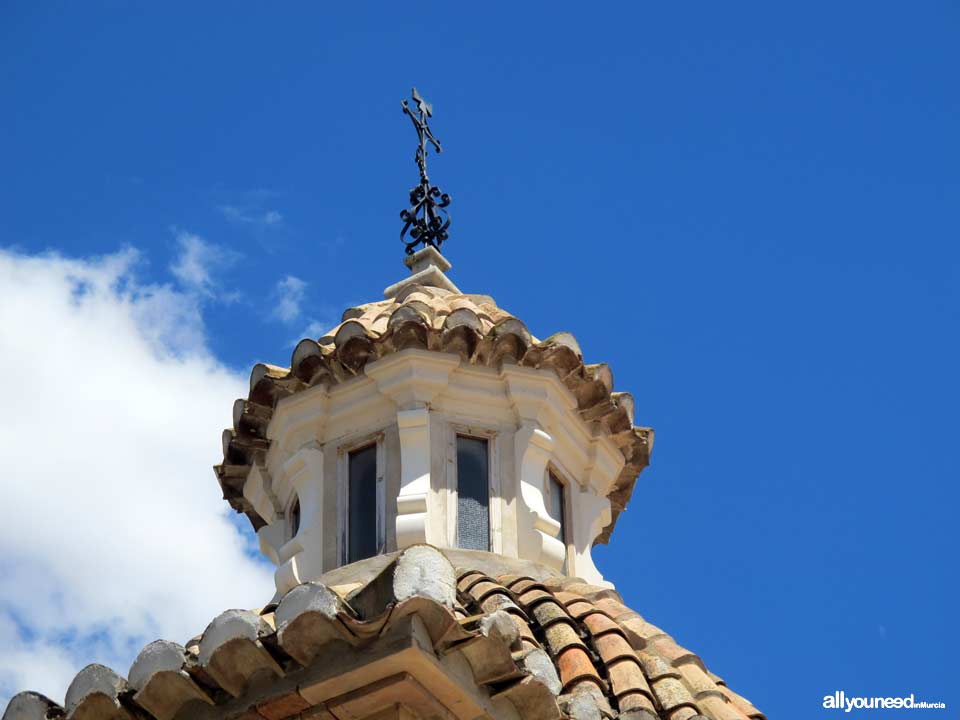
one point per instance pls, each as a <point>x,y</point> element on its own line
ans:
<point>362,504</point>
<point>295,517</point>
<point>473,493</point>
<point>558,506</point>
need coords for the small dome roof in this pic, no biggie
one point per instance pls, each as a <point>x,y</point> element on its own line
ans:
<point>436,317</point>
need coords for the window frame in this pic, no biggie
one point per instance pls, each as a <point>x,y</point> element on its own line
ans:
<point>495,523</point>
<point>343,496</point>
<point>566,526</point>
<point>293,528</point>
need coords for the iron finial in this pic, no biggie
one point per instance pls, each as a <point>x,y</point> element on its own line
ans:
<point>426,219</point>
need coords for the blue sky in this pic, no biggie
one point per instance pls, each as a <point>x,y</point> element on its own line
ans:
<point>749,212</point>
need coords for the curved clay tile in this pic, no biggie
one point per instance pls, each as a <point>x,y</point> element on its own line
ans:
<point>470,326</point>
<point>552,648</point>
<point>95,694</point>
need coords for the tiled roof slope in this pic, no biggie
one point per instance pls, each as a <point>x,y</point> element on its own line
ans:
<point>432,318</point>
<point>517,646</point>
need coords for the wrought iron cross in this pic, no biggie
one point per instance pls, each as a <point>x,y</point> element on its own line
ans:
<point>426,219</point>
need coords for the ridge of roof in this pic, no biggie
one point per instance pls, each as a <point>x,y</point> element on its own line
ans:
<point>549,648</point>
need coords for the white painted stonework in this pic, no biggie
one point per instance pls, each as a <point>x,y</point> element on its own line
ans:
<point>414,402</point>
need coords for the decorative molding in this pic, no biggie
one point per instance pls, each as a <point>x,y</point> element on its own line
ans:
<point>414,426</point>
<point>412,378</point>
<point>299,418</point>
<point>537,531</point>
<point>541,397</point>
<point>258,491</point>
<point>591,513</point>
<point>301,558</point>
<point>606,467</point>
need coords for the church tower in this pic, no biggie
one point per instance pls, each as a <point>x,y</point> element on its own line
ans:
<point>428,478</point>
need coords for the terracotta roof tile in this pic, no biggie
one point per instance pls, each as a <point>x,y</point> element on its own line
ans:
<point>500,601</point>
<point>636,701</point>
<point>509,580</point>
<point>666,647</point>
<point>574,665</point>
<point>522,585</point>
<point>640,629</point>
<point>524,631</point>
<point>580,608</point>
<point>548,613</point>
<point>627,667</point>
<point>593,592</point>
<point>598,624</point>
<point>671,693</point>
<point>561,636</point>
<point>479,590</point>
<point>614,608</point>
<point>720,709</point>
<point>626,676</point>
<point>655,666</point>
<point>698,681</point>
<point>531,597</point>
<point>684,712</point>
<point>612,646</point>
<point>566,597</point>
<point>468,579</point>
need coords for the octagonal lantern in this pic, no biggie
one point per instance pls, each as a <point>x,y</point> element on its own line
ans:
<point>432,416</point>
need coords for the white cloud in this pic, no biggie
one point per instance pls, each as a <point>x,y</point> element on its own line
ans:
<point>197,263</point>
<point>251,216</point>
<point>288,295</point>
<point>114,531</point>
<point>316,329</point>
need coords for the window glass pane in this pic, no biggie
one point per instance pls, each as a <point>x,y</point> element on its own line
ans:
<point>362,504</point>
<point>557,506</point>
<point>473,494</point>
<point>295,517</point>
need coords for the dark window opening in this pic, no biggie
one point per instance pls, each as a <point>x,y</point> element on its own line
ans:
<point>558,506</point>
<point>473,493</point>
<point>295,517</point>
<point>362,504</point>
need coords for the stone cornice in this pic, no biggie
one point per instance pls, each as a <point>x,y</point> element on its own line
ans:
<point>412,377</point>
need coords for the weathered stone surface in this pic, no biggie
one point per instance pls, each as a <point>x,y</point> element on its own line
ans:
<point>32,706</point>
<point>423,571</point>
<point>537,663</point>
<point>94,694</point>
<point>307,620</point>
<point>500,626</point>
<point>407,608</point>
<point>231,652</point>
<point>163,687</point>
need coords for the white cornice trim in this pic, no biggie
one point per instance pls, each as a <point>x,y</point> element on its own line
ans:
<point>412,377</point>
